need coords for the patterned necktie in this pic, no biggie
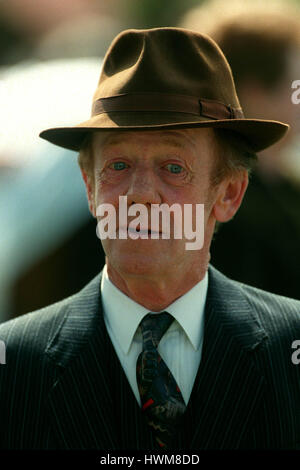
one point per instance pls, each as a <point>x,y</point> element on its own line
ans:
<point>160,395</point>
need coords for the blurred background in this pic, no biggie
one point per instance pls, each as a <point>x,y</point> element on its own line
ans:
<point>51,53</point>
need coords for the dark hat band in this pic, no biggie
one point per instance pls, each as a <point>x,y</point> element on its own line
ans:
<point>166,102</point>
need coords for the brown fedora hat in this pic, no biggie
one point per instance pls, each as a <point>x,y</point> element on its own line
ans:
<point>166,78</point>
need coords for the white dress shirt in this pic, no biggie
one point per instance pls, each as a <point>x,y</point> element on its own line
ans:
<point>181,345</point>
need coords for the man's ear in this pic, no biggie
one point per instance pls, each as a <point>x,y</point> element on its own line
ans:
<point>230,195</point>
<point>89,191</point>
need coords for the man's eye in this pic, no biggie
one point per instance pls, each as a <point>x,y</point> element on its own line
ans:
<point>174,168</point>
<point>118,166</point>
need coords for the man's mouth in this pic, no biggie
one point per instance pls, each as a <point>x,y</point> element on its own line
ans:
<point>142,231</point>
<point>139,230</point>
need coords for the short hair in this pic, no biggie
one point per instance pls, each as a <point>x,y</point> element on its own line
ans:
<point>233,154</point>
<point>85,156</point>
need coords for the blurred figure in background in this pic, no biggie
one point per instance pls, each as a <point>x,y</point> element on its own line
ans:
<point>261,41</point>
<point>60,28</point>
<point>42,199</point>
<point>44,253</point>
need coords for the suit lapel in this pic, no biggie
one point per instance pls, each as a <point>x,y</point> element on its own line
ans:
<point>91,403</point>
<point>228,386</point>
<point>80,402</point>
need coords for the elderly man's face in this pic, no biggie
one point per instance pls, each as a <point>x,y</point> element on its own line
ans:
<point>155,167</point>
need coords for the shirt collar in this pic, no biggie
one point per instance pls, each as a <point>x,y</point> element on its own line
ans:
<point>123,315</point>
<point>188,310</point>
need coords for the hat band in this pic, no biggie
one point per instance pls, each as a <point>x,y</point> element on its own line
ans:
<point>166,102</point>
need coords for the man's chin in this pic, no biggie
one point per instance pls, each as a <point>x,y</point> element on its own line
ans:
<point>140,248</point>
<point>137,264</point>
<point>141,257</point>
<point>142,264</point>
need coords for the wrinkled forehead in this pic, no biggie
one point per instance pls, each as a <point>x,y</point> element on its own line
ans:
<point>185,139</point>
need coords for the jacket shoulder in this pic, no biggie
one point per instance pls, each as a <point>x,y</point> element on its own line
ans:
<point>272,308</point>
<point>279,316</point>
<point>64,323</point>
<point>33,330</point>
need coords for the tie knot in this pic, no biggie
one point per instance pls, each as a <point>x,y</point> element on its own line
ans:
<point>154,326</point>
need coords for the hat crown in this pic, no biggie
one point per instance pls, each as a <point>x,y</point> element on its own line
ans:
<point>167,78</point>
<point>166,60</point>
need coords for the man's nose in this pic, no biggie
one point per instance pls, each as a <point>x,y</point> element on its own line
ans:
<point>143,188</point>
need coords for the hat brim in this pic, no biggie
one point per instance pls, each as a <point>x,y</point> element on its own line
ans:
<point>259,133</point>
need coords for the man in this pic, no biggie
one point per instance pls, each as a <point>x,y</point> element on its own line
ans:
<point>160,350</point>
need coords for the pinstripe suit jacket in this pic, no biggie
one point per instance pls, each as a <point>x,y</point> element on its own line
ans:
<point>62,386</point>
